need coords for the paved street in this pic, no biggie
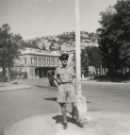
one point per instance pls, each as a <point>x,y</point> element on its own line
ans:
<point>19,104</point>
<point>109,97</point>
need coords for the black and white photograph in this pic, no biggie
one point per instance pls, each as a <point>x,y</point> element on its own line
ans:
<point>64,67</point>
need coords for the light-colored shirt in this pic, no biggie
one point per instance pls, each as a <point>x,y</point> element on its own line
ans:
<point>64,74</point>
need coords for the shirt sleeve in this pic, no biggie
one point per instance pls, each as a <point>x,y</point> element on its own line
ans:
<point>72,72</point>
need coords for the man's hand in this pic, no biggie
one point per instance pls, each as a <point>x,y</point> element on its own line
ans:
<point>55,82</point>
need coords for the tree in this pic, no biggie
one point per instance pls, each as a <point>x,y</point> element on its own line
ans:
<point>8,49</point>
<point>84,62</point>
<point>114,33</point>
<point>91,55</point>
<point>17,39</point>
<point>94,55</point>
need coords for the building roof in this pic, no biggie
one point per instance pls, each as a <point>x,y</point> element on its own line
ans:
<point>32,51</point>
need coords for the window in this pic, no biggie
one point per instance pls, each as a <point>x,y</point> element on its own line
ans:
<point>25,60</point>
<point>31,60</point>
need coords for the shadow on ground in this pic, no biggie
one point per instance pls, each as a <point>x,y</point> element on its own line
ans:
<point>54,99</point>
<point>44,86</point>
<point>58,119</point>
<point>2,132</point>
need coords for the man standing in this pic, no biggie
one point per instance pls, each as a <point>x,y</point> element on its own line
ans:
<point>64,81</point>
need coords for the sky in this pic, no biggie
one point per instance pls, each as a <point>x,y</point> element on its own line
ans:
<point>37,18</point>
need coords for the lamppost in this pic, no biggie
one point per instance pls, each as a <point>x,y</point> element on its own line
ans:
<point>77,47</point>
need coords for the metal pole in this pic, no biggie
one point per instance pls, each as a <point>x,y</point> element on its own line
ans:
<point>78,50</point>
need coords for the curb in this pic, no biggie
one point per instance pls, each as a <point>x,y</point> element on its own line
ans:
<point>14,87</point>
<point>105,83</point>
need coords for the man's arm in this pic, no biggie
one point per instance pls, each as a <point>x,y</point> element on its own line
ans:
<point>55,82</point>
<point>57,79</point>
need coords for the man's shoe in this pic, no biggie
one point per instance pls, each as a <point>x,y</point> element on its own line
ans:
<point>80,124</point>
<point>65,125</point>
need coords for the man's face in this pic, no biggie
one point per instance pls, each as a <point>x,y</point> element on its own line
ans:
<point>64,63</point>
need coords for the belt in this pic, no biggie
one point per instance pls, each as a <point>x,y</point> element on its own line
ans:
<point>64,83</point>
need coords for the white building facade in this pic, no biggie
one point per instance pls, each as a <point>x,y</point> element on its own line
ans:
<point>35,63</point>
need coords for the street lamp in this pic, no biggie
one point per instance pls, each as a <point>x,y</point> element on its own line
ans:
<point>81,100</point>
<point>77,47</point>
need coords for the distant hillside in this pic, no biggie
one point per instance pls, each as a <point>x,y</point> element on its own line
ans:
<point>66,38</point>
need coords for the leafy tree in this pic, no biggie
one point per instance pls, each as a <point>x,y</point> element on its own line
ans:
<point>94,55</point>
<point>67,38</point>
<point>84,62</point>
<point>8,49</point>
<point>17,38</point>
<point>114,41</point>
<point>91,55</point>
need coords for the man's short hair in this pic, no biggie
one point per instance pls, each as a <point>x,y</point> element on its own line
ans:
<point>64,56</point>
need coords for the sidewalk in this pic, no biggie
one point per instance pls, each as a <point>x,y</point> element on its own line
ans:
<point>23,84</point>
<point>99,123</point>
<point>104,82</point>
<point>7,86</point>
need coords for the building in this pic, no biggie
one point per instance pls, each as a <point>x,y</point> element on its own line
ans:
<point>35,63</point>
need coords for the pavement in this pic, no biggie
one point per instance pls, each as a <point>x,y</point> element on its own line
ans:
<point>99,123</point>
<point>7,86</point>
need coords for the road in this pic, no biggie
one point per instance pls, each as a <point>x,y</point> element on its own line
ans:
<point>19,104</point>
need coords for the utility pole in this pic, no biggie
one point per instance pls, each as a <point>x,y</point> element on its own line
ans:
<point>77,47</point>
